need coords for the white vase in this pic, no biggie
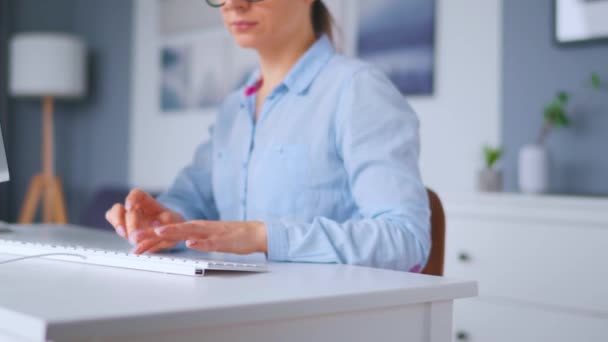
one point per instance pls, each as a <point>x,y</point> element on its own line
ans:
<point>533,169</point>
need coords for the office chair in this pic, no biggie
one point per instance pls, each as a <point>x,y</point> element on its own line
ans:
<point>434,265</point>
<point>94,213</point>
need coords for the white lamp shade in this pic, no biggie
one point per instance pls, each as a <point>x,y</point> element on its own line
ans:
<point>47,64</point>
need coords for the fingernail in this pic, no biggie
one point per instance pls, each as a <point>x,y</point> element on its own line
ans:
<point>160,230</point>
<point>133,238</point>
<point>191,243</point>
<point>156,223</point>
<point>128,205</point>
<point>121,231</point>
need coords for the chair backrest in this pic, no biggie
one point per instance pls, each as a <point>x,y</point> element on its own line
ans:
<point>93,215</point>
<point>434,265</point>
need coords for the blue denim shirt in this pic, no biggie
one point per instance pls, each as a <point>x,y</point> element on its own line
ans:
<point>330,166</point>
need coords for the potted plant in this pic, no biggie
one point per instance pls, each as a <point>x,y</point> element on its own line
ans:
<point>490,177</point>
<point>534,160</point>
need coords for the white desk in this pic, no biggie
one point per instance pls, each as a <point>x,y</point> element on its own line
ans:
<point>63,301</point>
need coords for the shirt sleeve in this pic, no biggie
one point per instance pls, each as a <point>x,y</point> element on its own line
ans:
<point>191,194</point>
<point>377,138</point>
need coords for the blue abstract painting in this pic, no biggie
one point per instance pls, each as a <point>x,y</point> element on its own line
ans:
<point>398,36</point>
<point>175,78</point>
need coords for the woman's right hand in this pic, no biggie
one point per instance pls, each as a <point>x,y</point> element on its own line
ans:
<point>137,218</point>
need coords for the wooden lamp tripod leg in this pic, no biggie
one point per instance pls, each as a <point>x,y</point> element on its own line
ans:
<point>45,187</point>
<point>32,198</point>
<point>59,211</point>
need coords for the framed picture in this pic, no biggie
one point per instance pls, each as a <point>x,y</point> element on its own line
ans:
<point>581,20</point>
<point>200,65</point>
<point>399,37</point>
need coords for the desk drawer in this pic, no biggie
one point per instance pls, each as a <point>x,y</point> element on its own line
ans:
<point>477,320</point>
<point>559,265</point>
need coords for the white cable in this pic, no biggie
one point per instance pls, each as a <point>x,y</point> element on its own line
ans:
<point>41,256</point>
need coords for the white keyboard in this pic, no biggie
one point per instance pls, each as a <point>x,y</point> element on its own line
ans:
<point>103,257</point>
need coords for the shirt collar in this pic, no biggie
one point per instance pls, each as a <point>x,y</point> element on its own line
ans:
<point>308,66</point>
<point>304,72</point>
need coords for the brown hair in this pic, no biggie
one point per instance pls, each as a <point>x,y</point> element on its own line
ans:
<point>322,22</point>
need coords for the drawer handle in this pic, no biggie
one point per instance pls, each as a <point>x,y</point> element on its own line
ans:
<point>462,336</point>
<point>464,257</point>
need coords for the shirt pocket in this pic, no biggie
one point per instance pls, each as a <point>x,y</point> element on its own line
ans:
<point>282,174</point>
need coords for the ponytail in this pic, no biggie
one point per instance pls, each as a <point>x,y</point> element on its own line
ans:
<point>322,21</point>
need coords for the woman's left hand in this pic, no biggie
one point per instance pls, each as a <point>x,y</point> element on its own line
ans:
<point>218,236</point>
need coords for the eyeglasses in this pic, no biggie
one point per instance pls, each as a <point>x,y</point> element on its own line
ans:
<point>220,3</point>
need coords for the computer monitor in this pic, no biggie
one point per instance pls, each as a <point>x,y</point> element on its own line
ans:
<point>4,176</point>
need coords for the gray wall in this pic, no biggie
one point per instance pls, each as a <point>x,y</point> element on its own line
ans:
<point>534,68</point>
<point>92,134</point>
<point>4,27</point>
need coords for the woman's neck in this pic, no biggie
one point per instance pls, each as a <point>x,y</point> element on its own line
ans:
<point>277,60</point>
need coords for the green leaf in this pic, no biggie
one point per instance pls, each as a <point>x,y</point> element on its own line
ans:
<point>596,82</point>
<point>563,97</point>
<point>555,113</point>
<point>561,120</point>
<point>492,155</point>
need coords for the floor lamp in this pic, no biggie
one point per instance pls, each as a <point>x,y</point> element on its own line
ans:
<point>47,66</point>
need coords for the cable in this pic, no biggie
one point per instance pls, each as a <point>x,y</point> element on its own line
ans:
<point>41,256</point>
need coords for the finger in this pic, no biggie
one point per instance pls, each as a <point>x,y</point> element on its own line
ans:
<point>136,237</point>
<point>134,220</point>
<point>135,198</point>
<point>153,246</point>
<point>161,247</point>
<point>156,249</point>
<point>199,245</point>
<point>135,209</point>
<point>213,244</point>
<point>116,217</point>
<point>193,230</point>
<point>169,217</point>
<point>146,245</point>
<point>138,199</point>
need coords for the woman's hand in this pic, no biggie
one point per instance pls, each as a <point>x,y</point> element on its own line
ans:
<point>217,236</point>
<point>136,220</point>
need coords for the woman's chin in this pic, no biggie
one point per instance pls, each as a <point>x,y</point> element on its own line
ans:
<point>247,41</point>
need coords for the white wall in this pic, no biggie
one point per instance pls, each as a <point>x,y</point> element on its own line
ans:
<point>161,144</point>
<point>464,113</point>
<point>457,120</point>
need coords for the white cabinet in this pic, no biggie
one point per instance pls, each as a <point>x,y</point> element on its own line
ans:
<point>487,320</point>
<point>541,263</point>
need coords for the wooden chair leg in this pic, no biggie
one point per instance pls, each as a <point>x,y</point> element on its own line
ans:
<point>32,198</point>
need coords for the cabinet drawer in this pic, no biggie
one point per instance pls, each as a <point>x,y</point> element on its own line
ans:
<point>556,264</point>
<point>478,320</point>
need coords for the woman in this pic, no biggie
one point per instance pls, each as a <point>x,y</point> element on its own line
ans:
<point>315,160</point>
